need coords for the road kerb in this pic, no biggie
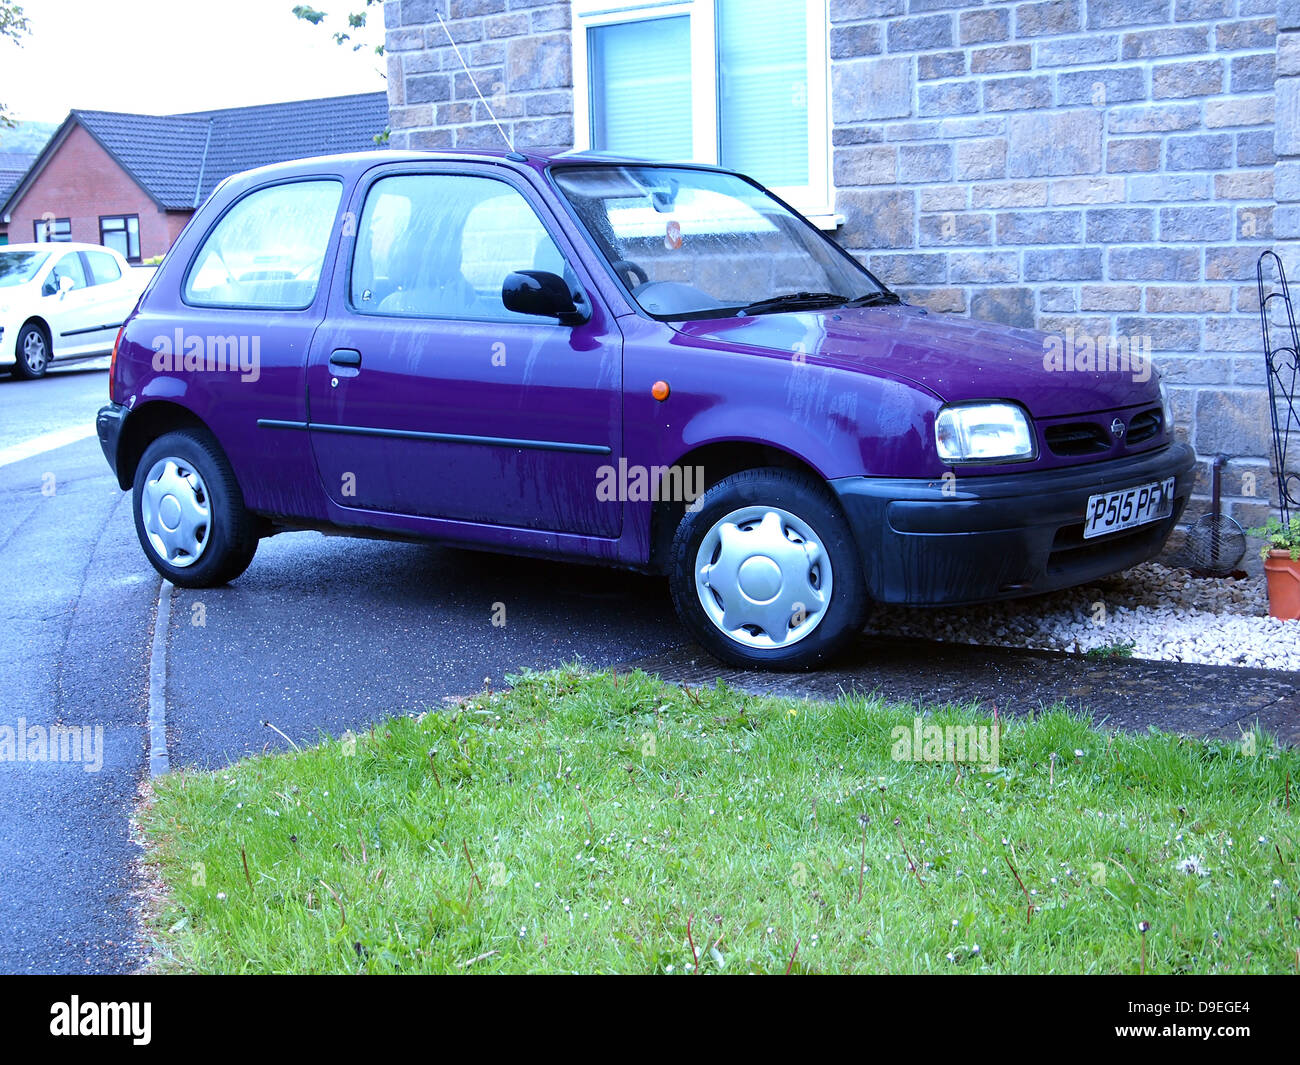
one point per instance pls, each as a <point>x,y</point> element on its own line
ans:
<point>158,763</point>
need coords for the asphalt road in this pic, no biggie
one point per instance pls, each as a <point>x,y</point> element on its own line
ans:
<point>321,634</point>
<point>76,610</point>
<point>324,634</point>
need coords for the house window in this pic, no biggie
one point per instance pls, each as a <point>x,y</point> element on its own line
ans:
<point>632,63</point>
<point>122,234</point>
<point>53,229</point>
<point>737,83</point>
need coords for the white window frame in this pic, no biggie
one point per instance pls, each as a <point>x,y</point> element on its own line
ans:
<point>816,200</point>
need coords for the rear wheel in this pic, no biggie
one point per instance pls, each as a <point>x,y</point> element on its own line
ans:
<point>765,572</point>
<point>189,512</point>
<point>33,353</point>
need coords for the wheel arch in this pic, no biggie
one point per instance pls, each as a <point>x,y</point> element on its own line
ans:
<point>42,325</point>
<point>145,424</point>
<point>717,460</point>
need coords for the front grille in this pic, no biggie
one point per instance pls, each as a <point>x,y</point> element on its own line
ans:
<point>1143,427</point>
<point>1073,439</point>
<point>1077,438</point>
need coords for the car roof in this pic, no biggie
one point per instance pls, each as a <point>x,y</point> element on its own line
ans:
<point>351,163</point>
<point>55,245</point>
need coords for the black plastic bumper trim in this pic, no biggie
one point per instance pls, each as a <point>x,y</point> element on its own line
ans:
<point>977,539</point>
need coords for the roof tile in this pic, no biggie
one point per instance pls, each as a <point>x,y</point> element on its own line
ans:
<point>180,159</point>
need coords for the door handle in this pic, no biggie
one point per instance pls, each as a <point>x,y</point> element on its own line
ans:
<point>345,357</point>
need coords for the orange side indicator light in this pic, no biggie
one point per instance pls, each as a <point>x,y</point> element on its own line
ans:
<point>659,390</point>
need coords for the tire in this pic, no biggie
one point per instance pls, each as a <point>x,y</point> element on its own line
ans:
<point>189,511</point>
<point>722,557</point>
<point>32,353</point>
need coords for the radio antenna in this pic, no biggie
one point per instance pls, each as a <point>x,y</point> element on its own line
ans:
<point>465,67</point>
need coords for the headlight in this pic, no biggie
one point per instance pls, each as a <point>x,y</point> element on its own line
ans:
<point>977,432</point>
<point>1166,407</point>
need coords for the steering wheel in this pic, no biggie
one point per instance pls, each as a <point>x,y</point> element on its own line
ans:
<point>624,268</point>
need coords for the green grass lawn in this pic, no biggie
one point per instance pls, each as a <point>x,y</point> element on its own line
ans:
<point>594,822</point>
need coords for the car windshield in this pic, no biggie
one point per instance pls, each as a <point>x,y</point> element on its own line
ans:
<point>19,267</point>
<point>705,244</point>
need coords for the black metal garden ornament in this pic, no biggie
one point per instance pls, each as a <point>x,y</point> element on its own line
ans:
<point>1282,360</point>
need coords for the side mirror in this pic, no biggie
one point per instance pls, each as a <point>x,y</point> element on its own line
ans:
<point>544,294</point>
<point>66,285</point>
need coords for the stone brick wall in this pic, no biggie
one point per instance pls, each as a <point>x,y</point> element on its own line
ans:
<point>1286,136</point>
<point>1106,165</point>
<point>1102,165</point>
<point>520,56</point>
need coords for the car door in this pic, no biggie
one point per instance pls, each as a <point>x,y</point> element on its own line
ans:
<point>71,314</point>
<point>428,397</point>
<point>111,293</point>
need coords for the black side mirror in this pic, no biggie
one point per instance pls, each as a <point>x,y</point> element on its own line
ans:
<point>544,294</point>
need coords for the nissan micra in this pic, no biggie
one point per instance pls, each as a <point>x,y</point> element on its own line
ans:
<point>660,367</point>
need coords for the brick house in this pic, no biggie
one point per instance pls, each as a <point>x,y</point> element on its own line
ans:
<point>132,181</point>
<point>13,165</point>
<point>1115,166</point>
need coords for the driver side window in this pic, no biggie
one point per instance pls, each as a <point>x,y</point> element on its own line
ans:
<point>68,266</point>
<point>442,245</point>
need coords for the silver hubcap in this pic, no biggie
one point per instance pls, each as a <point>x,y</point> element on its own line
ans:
<point>34,352</point>
<point>763,577</point>
<point>177,516</point>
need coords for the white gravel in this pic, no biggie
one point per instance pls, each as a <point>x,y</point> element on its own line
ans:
<point>1165,614</point>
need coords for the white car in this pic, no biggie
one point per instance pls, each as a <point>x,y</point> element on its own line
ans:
<point>62,301</point>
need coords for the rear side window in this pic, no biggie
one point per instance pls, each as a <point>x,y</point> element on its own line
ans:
<point>103,267</point>
<point>267,250</point>
<point>441,245</point>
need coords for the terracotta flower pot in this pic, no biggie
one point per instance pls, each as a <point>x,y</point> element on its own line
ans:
<point>1283,585</point>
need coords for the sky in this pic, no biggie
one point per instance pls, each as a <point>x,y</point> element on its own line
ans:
<point>170,56</point>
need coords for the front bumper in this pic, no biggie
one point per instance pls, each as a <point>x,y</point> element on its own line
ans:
<point>977,539</point>
<point>108,426</point>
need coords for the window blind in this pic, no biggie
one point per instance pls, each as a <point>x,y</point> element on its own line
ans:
<point>641,88</point>
<point>763,89</point>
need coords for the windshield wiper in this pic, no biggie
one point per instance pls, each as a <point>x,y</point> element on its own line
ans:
<point>793,299</point>
<point>875,299</point>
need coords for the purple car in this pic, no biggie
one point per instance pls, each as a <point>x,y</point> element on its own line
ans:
<point>657,367</point>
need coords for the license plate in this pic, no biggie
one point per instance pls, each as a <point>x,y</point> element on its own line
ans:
<point>1111,512</point>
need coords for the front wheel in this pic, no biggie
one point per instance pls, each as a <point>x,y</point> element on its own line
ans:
<point>189,511</point>
<point>765,571</point>
<point>33,353</point>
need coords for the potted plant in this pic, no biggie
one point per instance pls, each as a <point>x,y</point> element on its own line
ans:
<point>1281,554</point>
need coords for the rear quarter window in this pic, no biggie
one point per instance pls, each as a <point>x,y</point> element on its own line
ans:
<point>267,250</point>
<point>103,268</point>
